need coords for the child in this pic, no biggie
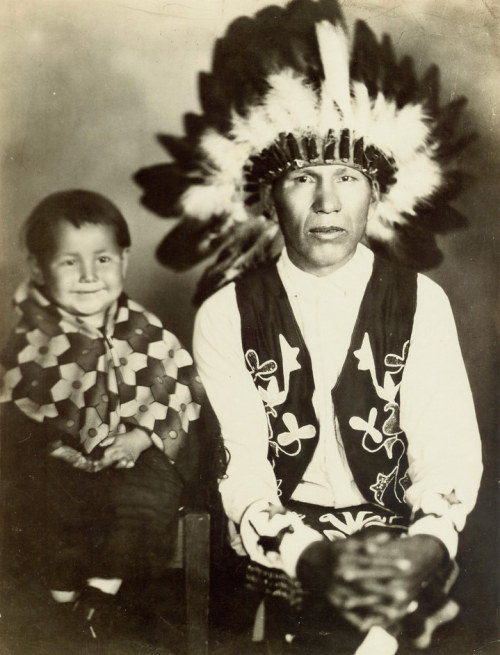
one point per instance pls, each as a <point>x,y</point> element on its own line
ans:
<point>98,405</point>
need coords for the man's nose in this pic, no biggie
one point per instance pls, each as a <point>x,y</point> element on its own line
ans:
<point>87,271</point>
<point>327,199</point>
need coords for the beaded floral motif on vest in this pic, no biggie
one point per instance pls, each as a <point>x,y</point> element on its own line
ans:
<point>287,442</point>
<point>384,432</point>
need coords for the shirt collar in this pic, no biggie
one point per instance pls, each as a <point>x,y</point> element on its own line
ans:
<point>349,277</point>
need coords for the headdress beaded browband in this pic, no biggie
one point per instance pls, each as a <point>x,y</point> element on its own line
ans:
<point>285,92</point>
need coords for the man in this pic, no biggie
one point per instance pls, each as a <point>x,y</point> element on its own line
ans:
<point>335,374</point>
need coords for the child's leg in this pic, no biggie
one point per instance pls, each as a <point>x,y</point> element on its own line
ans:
<point>141,519</point>
<point>133,535</point>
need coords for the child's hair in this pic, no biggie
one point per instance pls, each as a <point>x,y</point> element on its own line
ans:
<point>77,207</point>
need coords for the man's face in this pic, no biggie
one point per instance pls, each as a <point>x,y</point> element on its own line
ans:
<point>322,211</point>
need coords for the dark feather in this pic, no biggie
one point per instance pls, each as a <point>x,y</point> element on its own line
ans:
<point>452,149</point>
<point>441,219</point>
<point>213,98</point>
<point>180,148</point>
<point>190,242</point>
<point>365,58</point>
<point>448,119</point>
<point>387,63</point>
<point>241,72</point>
<point>429,89</point>
<point>162,186</point>
<point>406,81</point>
<point>413,247</point>
<point>194,124</point>
<point>455,182</point>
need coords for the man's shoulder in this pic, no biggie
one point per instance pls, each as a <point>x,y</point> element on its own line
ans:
<point>433,305</point>
<point>219,305</point>
<point>426,285</point>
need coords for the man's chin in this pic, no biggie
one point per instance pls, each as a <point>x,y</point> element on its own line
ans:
<point>323,263</point>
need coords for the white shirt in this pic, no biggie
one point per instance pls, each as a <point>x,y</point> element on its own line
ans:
<point>437,411</point>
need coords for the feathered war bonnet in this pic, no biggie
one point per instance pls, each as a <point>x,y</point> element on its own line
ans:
<point>287,91</point>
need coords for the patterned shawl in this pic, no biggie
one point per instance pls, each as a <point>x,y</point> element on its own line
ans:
<point>85,383</point>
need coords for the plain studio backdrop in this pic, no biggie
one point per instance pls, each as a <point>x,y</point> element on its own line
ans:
<point>87,84</point>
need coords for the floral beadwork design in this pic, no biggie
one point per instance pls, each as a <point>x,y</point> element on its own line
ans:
<point>388,436</point>
<point>272,396</point>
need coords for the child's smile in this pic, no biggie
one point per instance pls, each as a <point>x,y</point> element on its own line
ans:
<point>85,271</point>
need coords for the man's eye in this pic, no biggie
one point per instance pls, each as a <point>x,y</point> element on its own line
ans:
<point>347,178</point>
<point>68,262</point>
<point>104,259</point>
<point>303,179</point>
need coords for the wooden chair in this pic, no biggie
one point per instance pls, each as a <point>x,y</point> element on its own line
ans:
<point>192,554</point>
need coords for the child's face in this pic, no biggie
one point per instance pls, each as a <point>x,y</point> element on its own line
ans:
<point>85,271</point>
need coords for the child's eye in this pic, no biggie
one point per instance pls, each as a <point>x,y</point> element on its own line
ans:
<point>347,178</point>
<point>68,262</point>
<point>104,259</point>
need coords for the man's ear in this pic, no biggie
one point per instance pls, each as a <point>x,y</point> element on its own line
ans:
<point>125,260</point>
<point>268,206</point>
<point>374,199</point>
<point>35,270</point>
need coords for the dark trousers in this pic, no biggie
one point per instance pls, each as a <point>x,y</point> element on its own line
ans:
<point>67,525</point>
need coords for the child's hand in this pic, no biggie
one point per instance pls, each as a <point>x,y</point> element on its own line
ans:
<point>73,457</point>
<point>124,449</point>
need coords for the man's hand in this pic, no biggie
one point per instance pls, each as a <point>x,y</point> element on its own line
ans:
<point>331,569</point>
<point>397,570</point>
<point>372,578</point>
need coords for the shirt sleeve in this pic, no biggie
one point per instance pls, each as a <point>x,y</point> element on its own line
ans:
<point>236,402</point>
<point>438,416</point>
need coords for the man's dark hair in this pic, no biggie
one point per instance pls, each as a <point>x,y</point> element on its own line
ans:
<point>77,207</point>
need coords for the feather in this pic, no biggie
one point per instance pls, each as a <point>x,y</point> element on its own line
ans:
<point>416,181</point>
<point>162,186</point>
<point>224,155</point>
<point>387,64</point>
<point>249,246</point>
<point>203,201</point>
<point>194,125</point>
<point>450,150</point>
<point>365,58</point>
<point>297,116</point>
<point>406,81</point>
<point>214,101</point>
<point>334,55</point>
<point>448,119</point>
<point>181,149</point>
<point>191,241</point>
<point>413,248</point>
<point>441,219</point>
<point>283,88</point>
<point>429,90</point>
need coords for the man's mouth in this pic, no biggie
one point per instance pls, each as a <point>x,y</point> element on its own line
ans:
<point>85,292</point>
<point>327,232</point>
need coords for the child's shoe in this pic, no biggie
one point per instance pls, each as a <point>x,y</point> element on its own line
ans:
<point>95,614</point>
